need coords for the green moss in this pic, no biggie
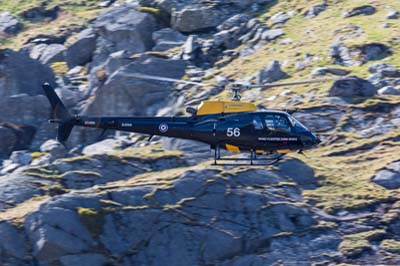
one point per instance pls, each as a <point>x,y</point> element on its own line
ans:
<point>391,246</point>
<point>353,248</point>
<point>355,244</point>
<point>42,173</point>
<point>92,219</point>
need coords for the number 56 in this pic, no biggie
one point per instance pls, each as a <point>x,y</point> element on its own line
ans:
<point>233,132</point>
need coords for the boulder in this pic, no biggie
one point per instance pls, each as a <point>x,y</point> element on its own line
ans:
<point>9,24</point>
<point>122,28</point>
<point>279,18</point>
<point>56,232</point>
<point>23,135</point>
<point>81,51</point>
<point>199,18</point>
<point>48,54</point>
<point>315,11</point>
<point>389,177</point>
<point>54,148</point>
<point>365,10</point>
<point>21,157</point>
<point>271,73</point>
<point>322,71</point>
<point>270,35</point>
<point>18,187</point>
<point>352,86</point>
<point>385,70</point>
<point>167,38</point>
<point>38,13</point>
<point>389,90</point>
<point>358,55</point>
<point>125,95</point>
<point>394,14</point>
<point>7,141</point>
<point>13,243</point>
<point>234,21</point>
<point>22,74</point>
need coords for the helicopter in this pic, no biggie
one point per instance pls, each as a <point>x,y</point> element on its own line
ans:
<point>235,126</point>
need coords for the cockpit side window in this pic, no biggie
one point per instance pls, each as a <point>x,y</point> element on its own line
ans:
<point>277,122</point>
<point>282,123</point>
<point>257,123</point>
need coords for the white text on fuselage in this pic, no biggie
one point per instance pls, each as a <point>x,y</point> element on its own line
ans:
<point>277,139</point>
<point>126,124</point>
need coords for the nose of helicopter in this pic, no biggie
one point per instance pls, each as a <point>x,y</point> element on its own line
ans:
<point>310,140</point>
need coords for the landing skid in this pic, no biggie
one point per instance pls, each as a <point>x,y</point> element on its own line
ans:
<point>252,161</point>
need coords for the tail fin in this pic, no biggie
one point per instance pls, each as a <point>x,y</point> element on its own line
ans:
<point>60,114</point>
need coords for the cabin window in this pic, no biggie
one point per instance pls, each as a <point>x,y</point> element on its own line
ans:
<point>277,122</point>
<point>281,123</point>
<point>257,123</point>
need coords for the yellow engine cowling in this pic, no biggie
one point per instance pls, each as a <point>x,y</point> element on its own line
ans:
<point>217,107</point>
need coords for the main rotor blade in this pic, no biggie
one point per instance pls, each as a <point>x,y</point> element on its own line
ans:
<point>294,83</point>
<point>149,77</point>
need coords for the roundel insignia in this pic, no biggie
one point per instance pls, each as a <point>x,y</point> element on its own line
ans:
<point>163,128</point>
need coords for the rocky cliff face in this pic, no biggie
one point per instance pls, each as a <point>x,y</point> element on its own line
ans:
<point>124,200</point>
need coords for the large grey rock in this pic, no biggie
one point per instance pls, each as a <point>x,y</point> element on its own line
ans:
<point>16,188</point>
<point>56,232</point>
<point>388,177</point>
<point>358,55</point>
<point>21,157</point>
<point>197,18</point>
<point>271,73</point>
<point>21,74</point>
<point>8,139</point>
<point>365,10</point>
<point>48,54</point>
<point>279,18</point>
<point>54,148</point>
<point>167,38</point>
<point>125,95</point>
<point>201,217</point>
<point>385,70</point>
<point>353,86</point>
<point>9,24</point>
<point>315,11</point>
<point>12,242</point>
<point>389,90</point>
<point>393,14</point>
<point>81,51</point>
<point>270,35</point>
<point>321,71</point>
<point>123,28</point>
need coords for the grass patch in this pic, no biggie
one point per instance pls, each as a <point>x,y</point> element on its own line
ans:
<point>354,245</point>
<point>391,246</point>
<point>60,68</point>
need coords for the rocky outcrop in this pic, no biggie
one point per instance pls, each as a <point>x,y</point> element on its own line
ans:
<point>271,73</point>
<point>365,10</point>
<point>81,51</point>
<point>167,38</point>
<point>358,55</point>
<point>9,24</point>
<point>352,86</point>
<point>21,74</point>
<point>125,95</point>
<point>48,54</point>
<point>189,209</point>
<point>123,28</point>
<point>389,177</point>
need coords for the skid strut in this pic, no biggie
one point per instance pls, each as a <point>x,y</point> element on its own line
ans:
<point>253,160</point>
